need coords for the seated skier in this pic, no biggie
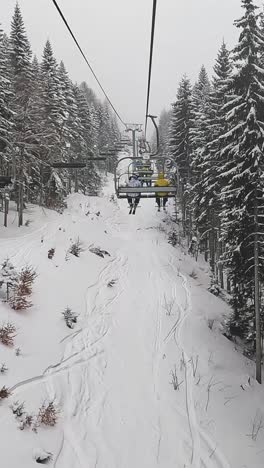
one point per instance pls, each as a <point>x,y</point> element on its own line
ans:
<point>161,197</point>
<point>133,198</point>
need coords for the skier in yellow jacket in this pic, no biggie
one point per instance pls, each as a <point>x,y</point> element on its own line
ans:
<point>161,182</point>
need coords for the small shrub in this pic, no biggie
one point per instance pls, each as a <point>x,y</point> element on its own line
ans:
<point>7,334</point>
<point>76,248</point>
<point>18,409</point>
<point>70,317</point>
<point>175,381</point>
<point>173,238</point>
<point>8,276</point>
<point>26,421</point>
<point>193,274</point>
<point>4,393</point>
<point>111,283</point>
<point>26,279</point>
<point>210,323</point>
<point>18,351</point>
<point>51,253</point>
<point>97,251</point>
<point>214,287</point>
<point>48,414</point>
<point>3,369</point>
<point>18,300</point>
<point>42,456</point>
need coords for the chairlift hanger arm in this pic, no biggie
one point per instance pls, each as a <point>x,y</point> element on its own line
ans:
<point>153,117</point>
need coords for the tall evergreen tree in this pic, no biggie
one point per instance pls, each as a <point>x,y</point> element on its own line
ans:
<point>5,101</point>
<point>164,130</point>
<point>179,144</point>
<point>208,220</point>
<point>243,174</point>
<point>199,137</point>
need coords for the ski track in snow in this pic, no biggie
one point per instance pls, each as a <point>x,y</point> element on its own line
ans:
<point>203,448</point>
<point>77,382</point>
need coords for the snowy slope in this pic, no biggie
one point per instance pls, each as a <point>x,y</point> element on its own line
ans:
<point>111,375</point>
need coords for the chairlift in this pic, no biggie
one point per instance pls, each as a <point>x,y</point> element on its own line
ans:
<point>121,179</point>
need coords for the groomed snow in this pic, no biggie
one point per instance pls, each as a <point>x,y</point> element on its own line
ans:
<point>111,375</point>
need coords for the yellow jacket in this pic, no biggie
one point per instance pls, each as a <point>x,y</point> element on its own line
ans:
<point>161,182</point>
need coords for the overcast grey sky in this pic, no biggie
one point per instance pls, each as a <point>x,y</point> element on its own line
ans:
<point>115,35</point>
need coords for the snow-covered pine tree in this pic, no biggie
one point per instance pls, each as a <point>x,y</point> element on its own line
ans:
<point>210,204</point>
<point>21,77</point>
<point>90,177</point>
<point>71,129</point>
<point>164,128</point>
<point>5,103</point>
<point>89,94</point>
<point>243,177</point>
<point>179,145</point>
<point>199,137</point>
<point>53,118</point>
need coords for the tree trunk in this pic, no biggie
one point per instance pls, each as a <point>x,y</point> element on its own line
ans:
<point>257,305</point>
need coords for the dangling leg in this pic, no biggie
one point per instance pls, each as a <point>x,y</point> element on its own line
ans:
<point>165,199</point>
<point>136,202</point>
<point>130,202</point>
<point>158,202</point>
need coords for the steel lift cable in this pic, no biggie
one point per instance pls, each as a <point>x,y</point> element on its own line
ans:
<point>150,58</point>
<point>86,60</point>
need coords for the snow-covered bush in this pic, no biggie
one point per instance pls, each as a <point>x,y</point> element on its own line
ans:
<point>193,274</point>
<point>26,279</point>
<point>4,393</point>
<point>111,283</point>
<point>48,414</point>
<point>3,369</point>
<point>76,248</point>
<point>26,421</point>
<point>70,317</point>
<point>51,253</point>
<point>21,289</point>
<point>18,409</point>
<point>8,276</point>
<point>173,238</point>
<point>18,352</point>
<point>214,287</point>
<point>99,252</point>
<point>7,333</point>
<point>42,456</point>
<point>19,300</point>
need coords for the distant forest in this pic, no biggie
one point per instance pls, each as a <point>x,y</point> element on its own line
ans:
<point>45,117</point>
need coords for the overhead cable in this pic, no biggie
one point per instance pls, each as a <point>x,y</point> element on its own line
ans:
<point>150,58</point>
<point>86,60</point>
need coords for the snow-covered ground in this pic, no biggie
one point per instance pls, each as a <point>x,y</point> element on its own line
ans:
<point>111,376</point>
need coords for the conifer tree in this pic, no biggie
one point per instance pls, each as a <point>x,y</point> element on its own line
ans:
<point>23,134</point>
<point>179,144</point>
<point>208,221</point>
<point>5,102</point>
<point>199,137</point>
<point>164,129</point>
<point>243,176</point>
